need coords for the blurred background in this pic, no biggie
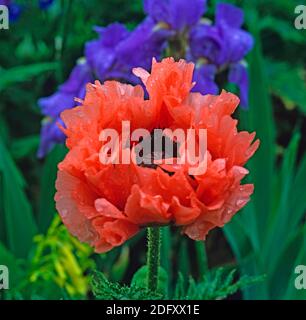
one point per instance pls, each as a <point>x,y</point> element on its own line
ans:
<point>268,237</point>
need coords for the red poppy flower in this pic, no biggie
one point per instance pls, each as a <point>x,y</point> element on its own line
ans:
<point>106,204</point>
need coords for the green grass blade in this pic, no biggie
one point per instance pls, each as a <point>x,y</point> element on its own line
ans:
<point>284,268</point>
<point>19,221</point>
<point>297,195</point>
<point>47,205</point>
<point>184,259</point>
<point>24,73</point>
<point>25,146</point>
<point>15,270</point>
<point>260,119</point>
<point>280,223</point>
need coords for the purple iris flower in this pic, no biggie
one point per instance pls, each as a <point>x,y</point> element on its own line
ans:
<point>238,75</point>
<point>170,23</point>
<point>177,14</point>
<point>63,99</point>
<point>101,53</point>
<point>45,4</point>
<point>204,76</point>
<point>50,134</point>
<point>15,11</point>
<point>144,43</point>
<point>117,51</point>
<point>224,44</point>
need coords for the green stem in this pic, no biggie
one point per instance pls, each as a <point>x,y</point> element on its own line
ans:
<point>153,257</point>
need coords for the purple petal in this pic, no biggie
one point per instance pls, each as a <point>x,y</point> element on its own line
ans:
<point>15,11</point>
<point>64,98</point>
<point>112,34</point>
<point>50,135</point>
<point>237,43</point>
<point>204,76</point>
<point>100,53</point>
<point>185,13</point>
<point>157,10</point>
<point>239,75</point>
<point>221,44</point>
<point>56,103</point>
<point>79,76</point>
<point>100,59</point>
<point>144,43</point>
<point>45,4</point>
<point>5,2</point>
<point>124,76</point>
<point>178,14</point>
<point>230,15</point>
<point>206,42</point>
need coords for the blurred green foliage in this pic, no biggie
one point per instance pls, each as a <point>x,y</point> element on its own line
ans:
<point>269,235</point>
<point>57,267</point>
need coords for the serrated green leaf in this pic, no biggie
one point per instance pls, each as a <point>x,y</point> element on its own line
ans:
<point>216,284</point>
<point>141,275</point>
<point>106,290</point>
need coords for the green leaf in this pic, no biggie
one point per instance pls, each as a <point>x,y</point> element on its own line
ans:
<point>183,258</point>
<point>259,118</point>
<point>16,272</point>
<point>298,195</point>
<point>120,267</point>
<point>279,221</point>
<point>238,238</point>
<point>292,291</point>
<point>283,270</point>
<point>24,73</point>
<point>287,82</point>
<point>141,275</point>
<point>284,28</point>
<point>4,130</point>
<point>24,146</point>
<point>20,226</point>
<point>48,177</point>
<point>179,292</point>
<point>217,284</point>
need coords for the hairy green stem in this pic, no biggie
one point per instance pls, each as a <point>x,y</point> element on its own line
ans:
<point>153,257</point>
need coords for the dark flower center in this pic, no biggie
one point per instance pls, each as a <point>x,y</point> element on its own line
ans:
<point>157,146</point>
